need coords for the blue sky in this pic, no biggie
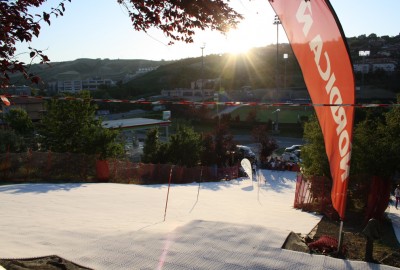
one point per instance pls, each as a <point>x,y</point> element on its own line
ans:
<point>102,29</point>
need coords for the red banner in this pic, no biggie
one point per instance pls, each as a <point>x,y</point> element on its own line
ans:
<point>319,44</point>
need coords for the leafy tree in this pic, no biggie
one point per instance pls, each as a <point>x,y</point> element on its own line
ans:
<point>208,156</point>
<point>375,158</point>
<point>268,144</point>
<point>314,158</point>
<point>374,149</point>
<point>185,147</point>
<point>393,133</point>
<point>226,119</point>
<point>10,141</point>
<point>70,126</point>
<point>19,120</point>
<point>188,148</point>
<point>17,25</point>
<point>376,143</point>
<point>152,147</point>
<point>103,142</point>
<point>224,145</point>
<point>178,20</point>
<point>252,116</point>
<point>371,149</point>
<point>163,155</point>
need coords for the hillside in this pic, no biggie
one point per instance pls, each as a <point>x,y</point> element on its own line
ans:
<point>90,68</point>
<point>258,69</point>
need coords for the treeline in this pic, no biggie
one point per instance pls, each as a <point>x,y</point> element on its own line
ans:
<point>70,126</point>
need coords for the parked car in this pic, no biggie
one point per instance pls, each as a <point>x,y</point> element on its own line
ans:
<point>293,148</point>
<point>290,157</point>
<point>297,153</point>
<point>243,151</point>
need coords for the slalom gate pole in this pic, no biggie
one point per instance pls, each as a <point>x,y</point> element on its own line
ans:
<point>169,184</point>
<point>252,176</point>
<point>258,187</point>
<point>201,176</point>
<point>340,242</point>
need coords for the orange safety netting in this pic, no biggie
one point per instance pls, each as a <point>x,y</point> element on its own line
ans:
<point>67,167</point>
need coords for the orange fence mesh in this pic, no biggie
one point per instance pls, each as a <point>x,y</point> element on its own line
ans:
<point>367,194</point>
<point>39,166</point>
<point>140,173</point>
<point>49,166</point>
<point>313,194</point>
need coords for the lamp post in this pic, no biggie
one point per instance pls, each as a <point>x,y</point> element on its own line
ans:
<point>216,99</point>
<point>202,68</point>
<point>285,57</point>
<point>277,119</point>
<point>277,22</point>
<point>363,54</point>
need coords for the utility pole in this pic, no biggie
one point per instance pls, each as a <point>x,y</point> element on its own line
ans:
<point>277,22</point>
<point>363,54</point>
<point>277,119</point>
<point>202,69</point>
<point>285,57</point>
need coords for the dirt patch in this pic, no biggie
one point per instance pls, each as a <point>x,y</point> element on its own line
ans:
<point>323,240</point>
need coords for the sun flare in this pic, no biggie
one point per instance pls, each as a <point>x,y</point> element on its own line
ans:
<point>238,41</point>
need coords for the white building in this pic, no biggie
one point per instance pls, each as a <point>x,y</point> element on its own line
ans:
<point>73,86</point>
<point>187,93</point>
<point>21,90</point>
<point>199,89</point>
<point>363,68</point>
<point>388,67</point>
<point>140,71</point>
<point>373,66</point>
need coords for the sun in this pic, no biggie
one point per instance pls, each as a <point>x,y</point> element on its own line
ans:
<point>237,41</point>
<point>245,37</point>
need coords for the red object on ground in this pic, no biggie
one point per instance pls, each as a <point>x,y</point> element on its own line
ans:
<point>325,245</point>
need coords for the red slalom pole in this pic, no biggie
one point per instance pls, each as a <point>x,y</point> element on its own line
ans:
<point>169,184</point>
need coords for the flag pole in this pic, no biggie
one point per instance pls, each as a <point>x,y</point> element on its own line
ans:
<point>340,242</point>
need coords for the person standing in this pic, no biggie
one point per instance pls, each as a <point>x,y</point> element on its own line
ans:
<point>397,195</point>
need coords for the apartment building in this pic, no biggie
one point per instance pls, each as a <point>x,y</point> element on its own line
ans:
<point>374,65</point>
<point>73,86</point>
<point>199,89</point>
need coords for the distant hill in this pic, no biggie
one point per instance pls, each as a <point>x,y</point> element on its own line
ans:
<point>256,69</point>
<point>84,68</point>
<point>259,69</point>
